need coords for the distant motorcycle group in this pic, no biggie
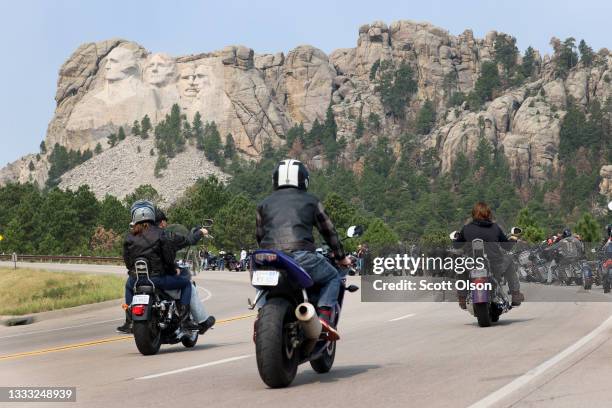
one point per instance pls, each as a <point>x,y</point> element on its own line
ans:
<point>562,259</point>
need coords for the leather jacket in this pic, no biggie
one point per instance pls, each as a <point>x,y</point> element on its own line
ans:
<point>285,221</point>
<point>158,247</point>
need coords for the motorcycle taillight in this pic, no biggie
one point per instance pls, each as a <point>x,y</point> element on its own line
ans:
<point>138,310</point>
<point>265,257</point>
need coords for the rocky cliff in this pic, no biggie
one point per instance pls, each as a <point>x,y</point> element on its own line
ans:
<point>258,98</point>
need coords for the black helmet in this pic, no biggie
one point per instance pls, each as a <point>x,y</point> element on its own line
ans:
<point>160,215</point>
<point>567,233</point>
<point>290,173</point>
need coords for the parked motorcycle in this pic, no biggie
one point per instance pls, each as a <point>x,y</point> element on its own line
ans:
<point>287,331</point>
<point>154,311</point>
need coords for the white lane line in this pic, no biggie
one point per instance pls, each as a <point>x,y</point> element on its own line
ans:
<point>402,317</point>
<point>206,291</point>
<point>182,370</point>
<point>60,328</point>
<point>539,370</point>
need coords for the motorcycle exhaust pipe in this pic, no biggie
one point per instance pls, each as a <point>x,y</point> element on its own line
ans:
<point>309,321</point>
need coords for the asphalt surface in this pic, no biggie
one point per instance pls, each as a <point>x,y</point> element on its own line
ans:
<point>390,355</point>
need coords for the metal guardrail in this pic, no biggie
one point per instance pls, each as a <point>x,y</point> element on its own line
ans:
<point>64,259</point>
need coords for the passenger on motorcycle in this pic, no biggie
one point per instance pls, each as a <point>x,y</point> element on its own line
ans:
<point>483,227</point>
<point>149,241</point>
<point>198,312</point>
<point>285,221</point>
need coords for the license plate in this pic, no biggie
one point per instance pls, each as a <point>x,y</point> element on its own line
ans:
<point>478,273</point>
<point>140,300</point>
<point>265,278</point>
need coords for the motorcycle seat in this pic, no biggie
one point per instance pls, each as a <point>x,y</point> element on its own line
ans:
<point>173,293</point>
<point>147,289</point>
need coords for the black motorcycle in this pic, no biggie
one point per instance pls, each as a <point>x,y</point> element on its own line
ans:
<point>155,314</point>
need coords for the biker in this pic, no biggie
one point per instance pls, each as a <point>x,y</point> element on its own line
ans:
<point>180,241</point>
<point>149,241</point>
<point>285,221</point>
<point>483,227</point>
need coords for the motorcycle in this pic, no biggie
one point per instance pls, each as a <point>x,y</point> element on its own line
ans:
<point>287,331</point>
<point>154,311</point>
<point>486,299</point>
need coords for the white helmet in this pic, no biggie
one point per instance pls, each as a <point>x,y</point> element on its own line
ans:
<point>290,173</point>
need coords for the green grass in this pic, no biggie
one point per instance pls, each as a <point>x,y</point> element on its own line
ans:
<point>26,291</point>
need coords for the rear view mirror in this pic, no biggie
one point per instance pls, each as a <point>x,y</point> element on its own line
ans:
<point>454,235</point>
<point>515,231</point>
<point>354,231</point>
<point>207,223</point>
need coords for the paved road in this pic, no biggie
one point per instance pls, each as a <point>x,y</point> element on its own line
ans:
<point>391,355</point>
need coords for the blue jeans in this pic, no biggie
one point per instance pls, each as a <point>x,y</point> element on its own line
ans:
<point>323,274</point>
<point>164,282</point>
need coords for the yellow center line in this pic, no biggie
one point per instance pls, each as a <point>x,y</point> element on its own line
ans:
<point>99,341</point>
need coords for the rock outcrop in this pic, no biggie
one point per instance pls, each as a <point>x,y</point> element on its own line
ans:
<point>258,98</point>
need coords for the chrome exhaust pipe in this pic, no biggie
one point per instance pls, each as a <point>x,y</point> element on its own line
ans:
<point>309,321</point>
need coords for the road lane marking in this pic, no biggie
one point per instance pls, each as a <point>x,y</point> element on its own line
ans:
<point>530,375</point>
<point>208,293</point>
<point>60,328</point>
<point>402,317</point>
<point>182,370</point>
<point>100,341</point>
<point>66,347</point>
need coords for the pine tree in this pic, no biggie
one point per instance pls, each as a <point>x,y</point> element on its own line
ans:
<point>112,139</point>
<point>121,134</point>
<point>506,52</point>
<point>145,127</point>
<point>197,130</point>
<point>528,64</point>
<point>586,53</point>
<point>31,166</point>
<point>212,143</point>
<point>98,148</point>
<point>229,151</point>
<point>425,118</point>
<point>136,128</point>
<point>43,147</point>
<point>360,129</point>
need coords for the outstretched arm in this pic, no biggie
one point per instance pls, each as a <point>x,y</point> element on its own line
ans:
<point>328,231</point>
<point>259,226</point>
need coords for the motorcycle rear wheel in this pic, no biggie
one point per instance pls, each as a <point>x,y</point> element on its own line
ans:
<point>324,363</point>
<point>147,336</point>
<point>483,314</point>
<point>277,360</point>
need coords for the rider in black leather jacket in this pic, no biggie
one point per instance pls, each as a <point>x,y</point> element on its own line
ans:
<point>285,221</point>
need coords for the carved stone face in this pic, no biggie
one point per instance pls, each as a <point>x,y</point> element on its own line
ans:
<point>120,64</point>
<point>159,70</point>
<point>193,79</point>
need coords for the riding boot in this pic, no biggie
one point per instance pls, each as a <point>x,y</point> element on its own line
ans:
<point>325,314</point>
<point>517,298</point>
<point>127,326</point>
<point>185,316</point>
<point>207,324</point>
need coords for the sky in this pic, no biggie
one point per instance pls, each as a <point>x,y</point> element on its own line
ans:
<point>36,37</point>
